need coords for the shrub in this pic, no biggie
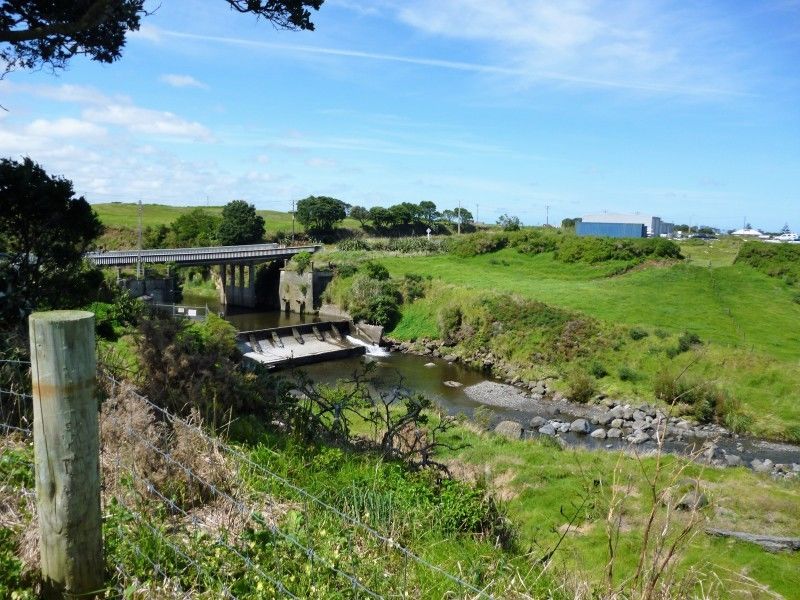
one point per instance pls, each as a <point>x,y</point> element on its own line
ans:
<point>594,250</point>
<point>637,333</point>
<point>627,374</point>
<point>375,270</point>
<point>413,287</point>
<point>707,401</point>
<point>581,387</point>
<point>687,340</point>
<point>775,260</point>
<point>352,245</point>
<point>474,244</point>
<point>597,370</point>
<point>449,322</point>
<point>301,261</point>
<point>533,241</point>
<point>346,270</point>
<point>508,223</point>
<point>375,301</point>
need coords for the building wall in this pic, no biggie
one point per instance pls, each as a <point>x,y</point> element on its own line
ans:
<point>615,230</point>
<point>655,226</point>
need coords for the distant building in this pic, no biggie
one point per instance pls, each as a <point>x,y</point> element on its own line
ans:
<point>614,230</point>
<point>749,232</point>
<point>655,226</point>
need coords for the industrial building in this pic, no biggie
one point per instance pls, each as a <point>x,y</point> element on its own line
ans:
<point>615,230</point>
<point>654,226</point>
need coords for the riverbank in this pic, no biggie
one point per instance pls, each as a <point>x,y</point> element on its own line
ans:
<point>535,409</point>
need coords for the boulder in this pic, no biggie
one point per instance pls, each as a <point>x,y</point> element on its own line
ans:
<point>761,466</point>
<point>638,437</point>
<point>692,500</point>
<point>733,460</point>
<point>537,422</point>
<point>547,429</point>
<point>453,384</point>
<point>564,428</point>
<point>510,429</point>
<point>599,434</point>
<point>639,415</point>
<point>451,358</point>
<point>614,432</point>
<point>579,426</point>
<point>617,423</point>
<point>605,418</point>
<point>430,365</point>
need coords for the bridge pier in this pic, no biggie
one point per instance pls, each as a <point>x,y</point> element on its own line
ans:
<point>238,290</point>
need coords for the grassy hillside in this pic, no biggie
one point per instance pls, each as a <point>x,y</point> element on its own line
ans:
<point>125,216</point>
<point>746,321</point>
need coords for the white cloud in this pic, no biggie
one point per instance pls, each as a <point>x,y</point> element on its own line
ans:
<point>65,128</point>
<point>321,163</point>
<point>147,121</point>
<point>182,81</point>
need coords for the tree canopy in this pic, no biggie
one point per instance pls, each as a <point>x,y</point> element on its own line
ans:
<point>44,232</point>
<point>320,214</point>
<point>360,214</point>
<point>240,224</point>
<point>39,33</point>
<point>197,228</point>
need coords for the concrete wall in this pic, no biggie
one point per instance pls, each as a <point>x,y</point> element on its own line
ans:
<point>161,289</point>
<point>302,293</point>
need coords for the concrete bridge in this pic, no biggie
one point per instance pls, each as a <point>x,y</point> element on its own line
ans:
<point>232,261</point>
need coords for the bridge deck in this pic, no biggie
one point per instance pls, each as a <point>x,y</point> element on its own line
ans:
<point>214,255</point>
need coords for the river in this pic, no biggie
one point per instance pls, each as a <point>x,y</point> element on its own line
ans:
<point>428,375</point>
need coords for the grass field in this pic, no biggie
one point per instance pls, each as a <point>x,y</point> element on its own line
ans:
<point>746,320</point>
<point>544,487</point>
<point>125,215</point>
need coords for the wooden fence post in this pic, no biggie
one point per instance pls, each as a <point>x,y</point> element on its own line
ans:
<point>66,452</point>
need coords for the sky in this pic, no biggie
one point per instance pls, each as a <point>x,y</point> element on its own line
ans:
<point>533,108</point>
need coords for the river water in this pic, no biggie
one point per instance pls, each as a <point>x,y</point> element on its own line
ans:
<point>427,375</point>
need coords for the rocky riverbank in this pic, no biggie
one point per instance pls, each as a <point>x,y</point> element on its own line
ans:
<point>608,423</point>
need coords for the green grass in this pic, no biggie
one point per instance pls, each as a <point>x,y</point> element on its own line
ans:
<point>125,215</point>
<point>746,320</point>
<point>544,487</point>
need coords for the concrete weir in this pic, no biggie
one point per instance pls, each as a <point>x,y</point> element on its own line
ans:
<point>296,345</point>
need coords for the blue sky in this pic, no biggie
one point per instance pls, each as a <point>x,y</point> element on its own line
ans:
<point>685,111</point>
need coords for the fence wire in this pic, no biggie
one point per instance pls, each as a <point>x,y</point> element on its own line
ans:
<point>156,540</point>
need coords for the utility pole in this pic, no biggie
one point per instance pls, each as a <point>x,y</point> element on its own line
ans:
<point>292,222</point>
<point>477,213</point>
<point>547,214</point>
<point>459,217</point>
<point>139,254</point>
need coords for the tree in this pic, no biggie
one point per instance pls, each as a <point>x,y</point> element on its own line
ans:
<point>360,214</point>
<point>200,228</point>
<point>428,212</point>
<point>508,223</point>
<point>463,215</point>
<point>569,223</point>
<point>320,214</point>
<point>380,217</point>
<point>240,224</point>
<point>48,33</point>
<point>44,232</point>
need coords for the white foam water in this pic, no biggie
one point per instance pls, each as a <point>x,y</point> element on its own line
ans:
<point>372,349</point>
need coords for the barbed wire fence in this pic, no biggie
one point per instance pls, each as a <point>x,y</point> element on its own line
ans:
<point>188,515</point>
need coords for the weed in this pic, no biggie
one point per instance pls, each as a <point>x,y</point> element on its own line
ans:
<point>637,333</point>
<point>581,387</point>
<point>597,370</point>
<point>627,374</point>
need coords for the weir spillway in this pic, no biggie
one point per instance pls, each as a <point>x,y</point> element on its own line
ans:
<point>295,345</point>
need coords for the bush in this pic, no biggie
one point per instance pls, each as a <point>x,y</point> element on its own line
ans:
<point>533,241</point>
<point>707,401</point>
<point>352,245</point>
<point>413,287</point>
<point>687,340</point>
<point>375,270</point>
<point>627,374</point>
<point>346,270</point>
<point>637,333</point>
<point>301,261</point>
<point>597,370</point>
<point>474,244</point>
<point>375,301</point>
<point>775,260</point>
<point>581,387</point>
<point>449,322</point>
<point>594,250</point>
